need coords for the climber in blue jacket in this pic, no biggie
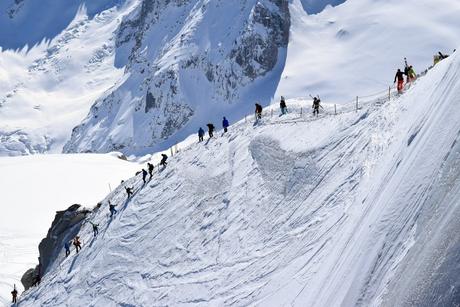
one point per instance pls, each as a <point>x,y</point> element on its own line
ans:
<point>200,134</point>
<point>225,124</point>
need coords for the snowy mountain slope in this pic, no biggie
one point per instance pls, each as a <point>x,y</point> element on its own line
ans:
<point>355,48</point>
<point>33,188</point>
<point>156,71</point>
<point>47,90</point>
<point>288,212</point>
<point>194,77</point>
<point>188,62</point>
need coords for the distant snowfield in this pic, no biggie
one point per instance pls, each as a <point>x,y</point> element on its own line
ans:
<point>32,188</point>
<point>355,48</point>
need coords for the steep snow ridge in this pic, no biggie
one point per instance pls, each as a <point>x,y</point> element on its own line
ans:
<point>48,90</point>
<point>355,48</point>
<point>188,62</point>
<point>287,212</point>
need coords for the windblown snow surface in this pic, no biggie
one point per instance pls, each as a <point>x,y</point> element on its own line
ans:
<point>360,208</point>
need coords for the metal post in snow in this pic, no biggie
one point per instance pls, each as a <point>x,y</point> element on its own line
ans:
<point>389,93</point>
<point>335,109</point>
<point>357,101</point>
<point>301,111</point>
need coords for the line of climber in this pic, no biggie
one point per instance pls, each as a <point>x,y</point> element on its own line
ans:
<point>409,72</point>
<point>211,128</point>
<point>76,242</point>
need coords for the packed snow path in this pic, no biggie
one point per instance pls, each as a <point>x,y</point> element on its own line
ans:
<point>320,213</point>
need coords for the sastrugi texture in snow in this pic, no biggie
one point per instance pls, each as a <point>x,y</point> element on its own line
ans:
<point>329,211</point>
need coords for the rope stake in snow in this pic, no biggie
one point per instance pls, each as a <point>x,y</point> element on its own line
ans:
<point>357,103</point>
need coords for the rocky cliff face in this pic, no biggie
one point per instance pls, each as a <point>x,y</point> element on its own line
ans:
<point>64,228</point>
<point>183,59</point>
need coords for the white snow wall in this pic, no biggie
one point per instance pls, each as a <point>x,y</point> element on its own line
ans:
<point>329,212</point>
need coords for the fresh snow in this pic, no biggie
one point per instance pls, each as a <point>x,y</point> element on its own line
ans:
<point>33,188</point>
<point>291,211</point>
<point>354,49</point>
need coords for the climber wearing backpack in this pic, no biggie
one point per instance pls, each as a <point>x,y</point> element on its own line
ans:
<point>411,75</point>
<point>150,167</point>
<point>400,77</point>
<point>283,106</point>
<point>129,191</point>
<point>77,243</point>
<point>164,157</point>
<point>200,134</point>
<point>14,294</point>
<point>95,228</point>
<point>112,209</point>
<point>258,111</point>
<point>144,175</point>
<point>409,72</point>
<point>210,130</point>
<point>225,124</point>
<point>316,105</point>
<point>67,248</point>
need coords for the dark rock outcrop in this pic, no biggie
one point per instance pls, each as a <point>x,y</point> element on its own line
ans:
<point>64,228</point>
<point>29,277</point>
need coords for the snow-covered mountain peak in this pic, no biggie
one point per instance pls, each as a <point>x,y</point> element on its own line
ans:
<point>155,71</point>
<point>184,59</point>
